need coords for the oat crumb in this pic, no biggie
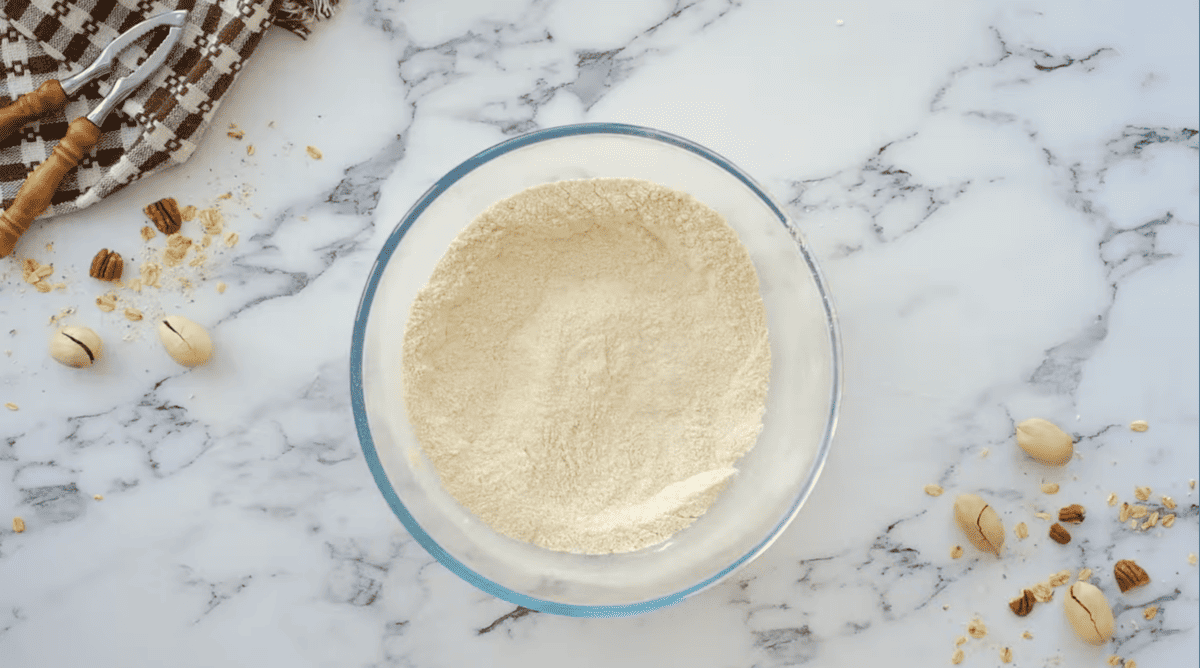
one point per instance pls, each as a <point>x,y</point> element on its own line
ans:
<point>1150,612</point>
<point>1043,516</point>
<point>225,196</point>
<point>1130,663</point>
<point>960,641</point>
<point>12,407</point>
<point>1021,530</point>
<point>133,314</point>
<point>1042,593</point>
<point>1112,499</point>
<point>933,490</point>
<point>1192,484</point>
<point>957,657</point>
<point>985,452</point>
<point>212,220</point>
<point>1114,660</point>
<point>221,288</point>
<point>314,152</point>
<point>976,629</point>
<point>98,497</point>
<point>1050,488</point>
<point>1192,558</point>
<point>1060,578</point>
<point>1085,575</point>
<point>231,240</point>
<point>1142,493</point>
<point>956,552</point>
<point>148,233</point>
<point>188,213</point>
<point>107,302</point>
<point>1006,655</point>
<point>250,149</point>
<point>1027,635</point>
<point>1139,425</point>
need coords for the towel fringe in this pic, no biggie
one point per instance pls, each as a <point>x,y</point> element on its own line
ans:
<point>297,16</point>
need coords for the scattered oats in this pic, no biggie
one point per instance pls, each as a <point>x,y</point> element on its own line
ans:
<point>1027,635</point>
<point>185,284</point>
<point>43,286</point>
<point>1050,488</point>
<point>1168,521</point>
<point>1168,502</point>
<point>1192,558</point>
<point>133,314</point>
<point>314,152</point>
<point>148,233</point>
<point>12,407</point>
<point>1044,516</point>
<point>1006,655</point>
<point>212,220</point>
<point>1114,660</point>
<point>98,497</point>
<point>956,552</point>
<point>984,452</point>
<point>221,288</point>
<point>1042,592</point>
<point>250,149</point>
<point>1085,575</point>
<point>107,302</point>
<point>1060,578</point>
<point>225,196</point>
<point>957,657</point>
<point>1150,612</point>
<point>206,241</point>
<point>150,271</point>
<point>1142,493</point>
<point>235,134</point>
<point>976,629</point>
<point>177,248</point>
<point>60,286</point>
<point>188,213</point>
<point>200,259</point>
<point>231,240</point>
<point>1022,531</point>
<point>1123,514</point>
<point>18,524</point>
<point>1130,663</point>
<point>1112,499</point>
<point>1139,425</point>
<point>50,247</point>
<point>933,490</point>
<point>1137,512</point>
<point>960,641</point>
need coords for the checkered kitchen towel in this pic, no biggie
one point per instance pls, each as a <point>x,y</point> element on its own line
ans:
<point>160,124</point>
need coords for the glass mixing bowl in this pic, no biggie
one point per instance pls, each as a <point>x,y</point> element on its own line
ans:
<point>774,478</point>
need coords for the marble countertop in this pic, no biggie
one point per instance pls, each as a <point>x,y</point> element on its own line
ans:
<point>1003,198</point>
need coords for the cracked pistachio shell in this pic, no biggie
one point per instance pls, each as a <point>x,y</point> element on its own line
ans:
<point>979,522</point>
<point>1045,442</point>
<point>185,341</point>
<point>1089,613</point>
<point>77,347</point>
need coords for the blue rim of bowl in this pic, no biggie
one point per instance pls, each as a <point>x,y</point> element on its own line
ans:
<point>359,405</point>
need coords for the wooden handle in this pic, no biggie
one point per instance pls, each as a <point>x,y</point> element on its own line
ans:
<point>48,97</point>
<point>34,196</point>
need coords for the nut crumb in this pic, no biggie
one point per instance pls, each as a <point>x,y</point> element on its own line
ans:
<point>235,134</point>
<point>225,196</point>
<point>133,314</point>
<point>107,302</point>
<point>1168,502</point>
<point>1050,488</point>
<point>148,233</point>
<point>1073,514</point>
<point>1150,612</point>
<point>1043,516</point>
<point>933,490</point>
<point>976,629</point>
<point>1084,575</point>
<point>1006,655</point>
<point>1021,530</point>
<point>1142,493</point>
<point>18,524</point>
<point>221,288</point>
<point>1112,499</point>
<point>1168,521</point>
<point>250,149</point>
<point>314,152</point>
<point>12,407</point>
<point>956,552</point>
<point>98,497</point>
<point>1139,425</point>
<point>1060,534</point>
<point>1023,604</point>
<point>1027,635</point>
<point>957,657</point>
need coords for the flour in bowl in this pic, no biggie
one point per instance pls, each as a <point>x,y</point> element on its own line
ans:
<point>588,362</point>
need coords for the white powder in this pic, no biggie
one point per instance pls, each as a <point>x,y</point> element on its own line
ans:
<point>588,362</point>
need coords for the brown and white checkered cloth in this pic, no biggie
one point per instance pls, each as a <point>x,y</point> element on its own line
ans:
<point>160,124</point>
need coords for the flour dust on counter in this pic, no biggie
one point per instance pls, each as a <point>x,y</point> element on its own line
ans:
<point>588,362</point>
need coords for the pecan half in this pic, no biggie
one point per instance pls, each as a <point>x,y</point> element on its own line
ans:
<point>107,265</point>
<point>1060,534</point>
<point>1023,604</point>
<point>165,215</point>
<point>1129,575</point>
<point>1073,513</point>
